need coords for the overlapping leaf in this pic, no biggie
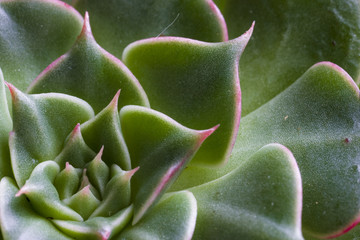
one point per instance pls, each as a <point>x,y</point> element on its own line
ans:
<point>174,217</point>
<point>90,73</point>
<point>289,38</point>
<point>317,118</point>
<point>118,23</point>
<point>41,124</point>
<point>32,35</point>
<point>196,83</point>
<point>161,148</point>
<point>260,200</point>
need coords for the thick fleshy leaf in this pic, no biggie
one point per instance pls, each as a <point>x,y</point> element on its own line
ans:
<point>317,118</point>
<point>289,38</point>
<point>90,73</point>
<point>67,181</point>
<point>33,34</point>
<point>259,200</point>
<point>118,23</point>
<point>41,124</point>
<point>161,147</point>
<point>98,228</point>
<point>104,131</point>
<point>83,202</point>
<point>75,151</point>
<point>195,83</point>
<point>44,198</point>
<point>98,172</point>
<point>5,128</point>
<point>173,218</point>
<point>19,221</point>
<point>117,194</point>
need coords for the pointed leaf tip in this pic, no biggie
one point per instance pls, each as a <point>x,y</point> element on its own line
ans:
<point>99,155</point>
<point>114,102</point>
<point>86,29</point>
<point>21,192</point>
<point>131,173</point>
<point>204,134</point>
<point>12,89</point>
<point>105,235</point>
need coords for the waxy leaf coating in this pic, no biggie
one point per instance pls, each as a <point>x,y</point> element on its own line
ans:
<point>261,199</point>
<point>89,72</point>
<point>33,34</point>
<point>291,36</point>
<point>194,82</point>
<point>119,23</point>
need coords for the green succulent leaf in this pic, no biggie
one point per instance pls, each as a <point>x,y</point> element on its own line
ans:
<point>75,151</point>
<point>19,221</point>
<point>103,131</point>
<point>289,38</point>
<point>320,115</point>
<point>118,23</point>
<point>261,199</point>
<point>173,218</point>
<point>67,181</point>
<point>195,83</point>
<point>44,198</point>
<point>41,125</point>
<point>161,148</point>
<point>5,128</point>
<point>98,228</point>
<point>33,34</point>
<point>89,72</point>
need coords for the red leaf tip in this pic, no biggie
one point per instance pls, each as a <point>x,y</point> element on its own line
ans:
<point>115,100</point>
<point>86,29</point>
<point>76,132</point>
<point>12,89</point>
<point>206,133</point>
<point>22,191</point>
<point>99,155</point>
<point>131,173</point>
<point>105,234</point>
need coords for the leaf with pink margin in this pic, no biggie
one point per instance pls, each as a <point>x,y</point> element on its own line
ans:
<point>195,83</point>
<point>32,35</point>
<point>161,148</point>
<point>17,213</point>
<point>118,23</point>
<point>5,128</point>
<point>41,124</point>
<point>261,199</point>
<point>89,72</point>
<point>317,118</point>
<point>173,218</point>
<point>289,38</point>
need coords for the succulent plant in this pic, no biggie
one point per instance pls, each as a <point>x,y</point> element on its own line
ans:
<point>121,119</point>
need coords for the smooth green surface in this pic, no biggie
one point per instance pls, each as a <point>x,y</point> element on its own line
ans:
<point>116,23</point>
<point>289,37</point>
<point>89,72</point>
<point>261,199</point>
<point>41,124</point>
<point>317,118</point>
<point>161,148</point>
<point>173,218</point>
<point>33,34</point>
<point>195,83</point>
<point>5,128</point>
<point>18,219</point>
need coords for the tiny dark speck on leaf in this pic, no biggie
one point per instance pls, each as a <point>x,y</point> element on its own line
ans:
<point>50,218</point>
<point>346,140</point>
<point>27,199</point>
<point>333,43</point>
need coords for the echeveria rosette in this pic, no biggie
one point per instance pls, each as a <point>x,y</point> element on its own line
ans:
<point>87,195</point>
<point>195,83</point>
